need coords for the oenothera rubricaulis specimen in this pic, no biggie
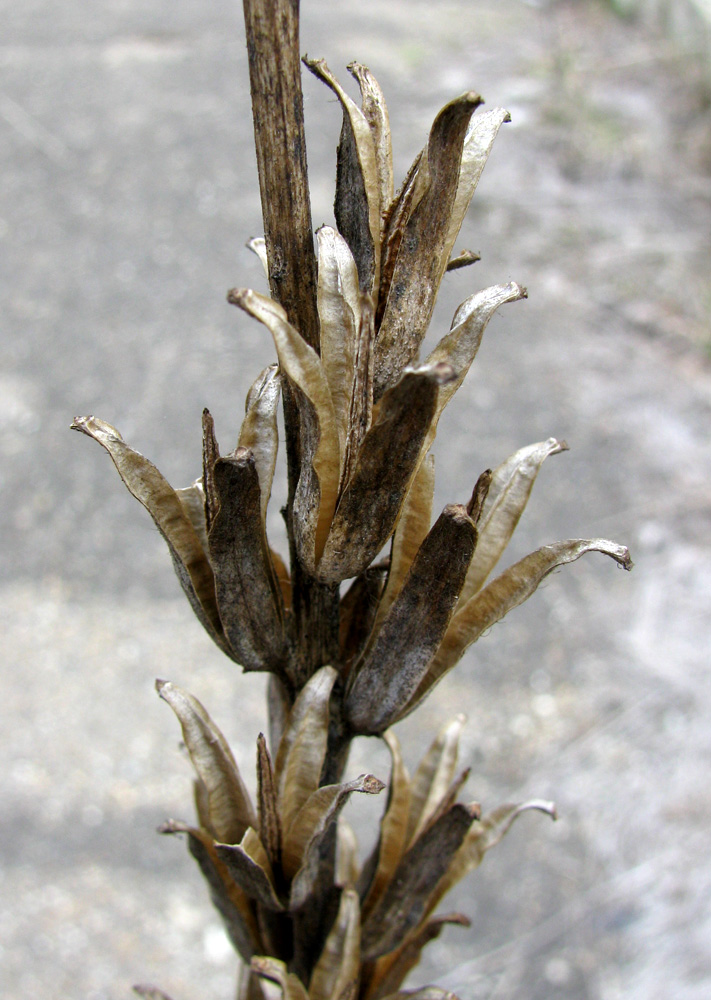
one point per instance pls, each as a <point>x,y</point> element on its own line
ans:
<point>361,409</point>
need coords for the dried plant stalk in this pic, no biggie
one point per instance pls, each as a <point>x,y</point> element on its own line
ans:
<point>360,415</point>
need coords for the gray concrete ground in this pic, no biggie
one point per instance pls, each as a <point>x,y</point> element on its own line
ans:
<point>129,187</point>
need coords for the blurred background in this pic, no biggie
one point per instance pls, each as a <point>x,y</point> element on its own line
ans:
<point>128,190</point>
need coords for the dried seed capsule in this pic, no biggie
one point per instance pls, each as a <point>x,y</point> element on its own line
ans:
<point>387,461</point>
<point>357,206</point>
<point>248,596</point>
<point>229,808</point>
<point>404,902</point>
<point>424,250</point>
<point>414,625</point>
<point>162,502</point>
<point>513,587</point>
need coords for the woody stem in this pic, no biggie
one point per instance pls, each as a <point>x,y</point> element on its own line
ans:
<point>272,29</point>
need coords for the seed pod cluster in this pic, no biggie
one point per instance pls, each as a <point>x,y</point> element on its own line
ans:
<point>300,909</point>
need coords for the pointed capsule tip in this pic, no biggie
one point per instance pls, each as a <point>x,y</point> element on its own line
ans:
<point>236,296</point>
<point>443,372</point>
<point>471,97</point>
<point>313,64</point>
<point>550,808</point>
<point>481,490</point>
<point>372,785</point>
<point>540,805</point>
<point>172,826</point>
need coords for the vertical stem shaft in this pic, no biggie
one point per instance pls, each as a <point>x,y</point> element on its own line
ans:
<point>272,28</point>
<point>278,110</point>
